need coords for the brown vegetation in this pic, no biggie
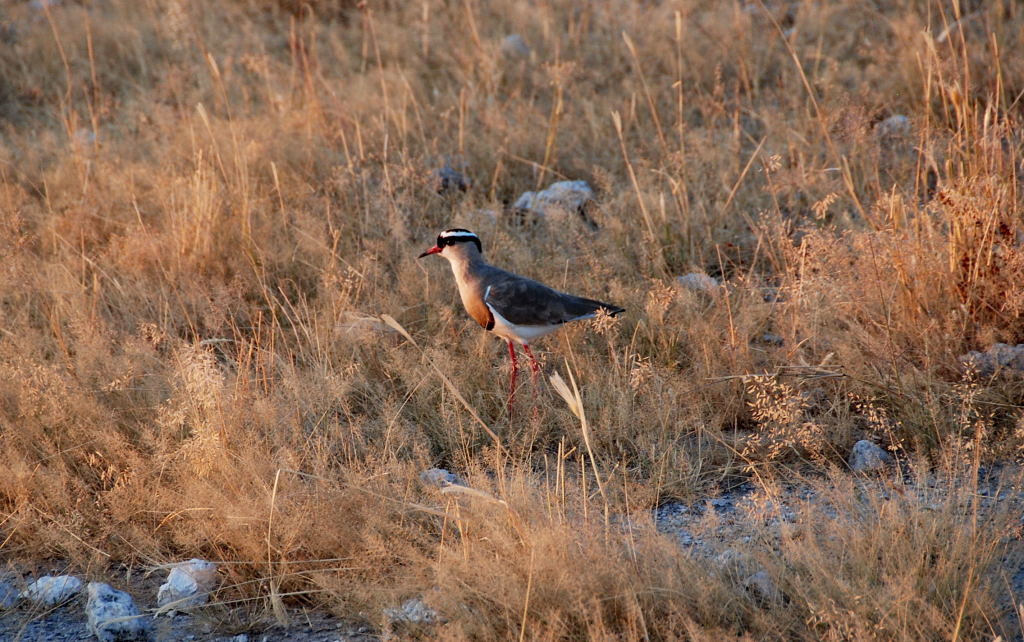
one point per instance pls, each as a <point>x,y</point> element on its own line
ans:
<point>207,207</point>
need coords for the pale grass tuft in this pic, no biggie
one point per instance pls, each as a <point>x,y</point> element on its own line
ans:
<point>197,408</point>
<point>604,322</point>
<point>820,208</point>
<point>785,427</point>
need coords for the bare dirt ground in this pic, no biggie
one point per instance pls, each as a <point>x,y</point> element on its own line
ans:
<point>68,622</point>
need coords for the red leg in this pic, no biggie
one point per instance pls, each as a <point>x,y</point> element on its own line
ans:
<point>512,387</point>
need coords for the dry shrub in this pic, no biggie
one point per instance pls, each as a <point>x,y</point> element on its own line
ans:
<point>553,565</point>
<point>904,562</point>
<point>785,427</point>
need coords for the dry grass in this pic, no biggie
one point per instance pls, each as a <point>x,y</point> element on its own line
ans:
<point>208,206</point>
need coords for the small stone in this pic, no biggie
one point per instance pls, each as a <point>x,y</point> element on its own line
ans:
<point>896,126</point>
<point>447,180</point>
<point>51,590</point>
<point>113,616</point>
<point>413,611</point>
<point>513,46</point>
<point>438,478</point>
<point>698,282</point>
<point>241,637</point>
<point>867,457</point>
<point>762,588</point>
<point>565,197</point>
<point>188,585</point>
<point>772,339</point>
<point>8,594</point>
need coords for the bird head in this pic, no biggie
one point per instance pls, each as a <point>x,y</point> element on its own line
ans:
<point>456,241</point>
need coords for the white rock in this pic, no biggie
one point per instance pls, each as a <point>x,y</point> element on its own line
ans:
<point>438,477</point>
<point>999,357</point>
<point>8,595</point>
<point>113,616</point>
<point>51,590</point>
<point>867,456</point>
<point>698,282</point>
<point>514,46</point>
<point>188,585</point>
<point>564,196</point>
<point>762,588</point>
<point>413,611</point>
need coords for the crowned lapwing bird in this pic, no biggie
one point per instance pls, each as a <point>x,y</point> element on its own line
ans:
<point>517,309</point>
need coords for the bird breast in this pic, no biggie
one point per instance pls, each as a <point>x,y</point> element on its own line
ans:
<point>472,295</point>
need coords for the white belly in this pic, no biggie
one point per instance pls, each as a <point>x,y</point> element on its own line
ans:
<point>524,334</point>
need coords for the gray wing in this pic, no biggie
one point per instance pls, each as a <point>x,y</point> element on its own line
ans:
<point>526,302</point>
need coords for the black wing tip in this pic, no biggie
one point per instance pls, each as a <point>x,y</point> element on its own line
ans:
<point>609,309</point>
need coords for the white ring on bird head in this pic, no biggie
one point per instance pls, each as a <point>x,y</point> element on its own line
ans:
<point>458,235</point>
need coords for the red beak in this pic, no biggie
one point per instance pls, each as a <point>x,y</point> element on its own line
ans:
<point>433,250</point>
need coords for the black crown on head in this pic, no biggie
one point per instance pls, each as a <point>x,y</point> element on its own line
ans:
<point>458,235</point>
